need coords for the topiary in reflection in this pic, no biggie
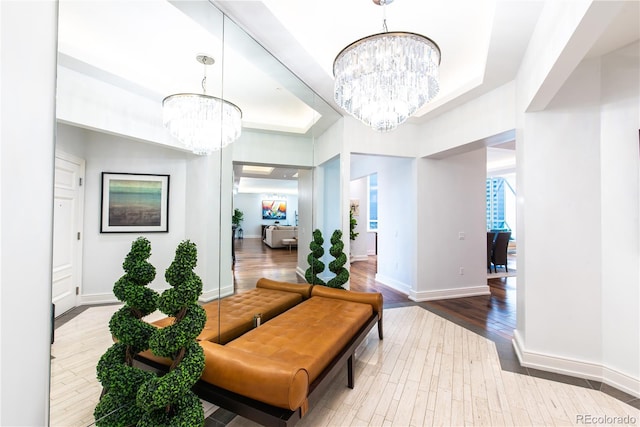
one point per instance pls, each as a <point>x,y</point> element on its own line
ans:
<point>337,265</point>
<point>120,380</point>
<point>315,265</point>
<point>169,400</point>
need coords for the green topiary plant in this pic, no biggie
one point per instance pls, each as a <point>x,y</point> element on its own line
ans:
<point>169,400</point>
<point>120,380</point>
<point>315,265</point>
<point>337,265</point>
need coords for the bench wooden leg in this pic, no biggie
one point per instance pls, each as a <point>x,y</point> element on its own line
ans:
<point>350,371</point>
<point>380,328</point>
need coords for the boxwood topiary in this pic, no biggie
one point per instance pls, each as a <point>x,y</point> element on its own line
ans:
<point>315,265</point>
<point>337,265</point>
<point>169,400</point>
<point>120,380</point>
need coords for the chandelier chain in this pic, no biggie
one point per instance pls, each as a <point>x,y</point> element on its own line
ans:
<point>204,79</point>
<point>384,16</point>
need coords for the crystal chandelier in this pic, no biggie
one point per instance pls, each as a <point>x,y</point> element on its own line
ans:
<point>384,78</point>
<point>203,123</point>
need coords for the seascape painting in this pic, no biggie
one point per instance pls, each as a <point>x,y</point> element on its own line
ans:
<point>134,203</point>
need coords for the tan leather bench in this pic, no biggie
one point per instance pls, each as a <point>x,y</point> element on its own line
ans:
<point>272,374</point>
<point>268,299</point>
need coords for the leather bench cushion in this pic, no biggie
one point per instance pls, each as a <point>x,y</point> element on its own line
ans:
<point>309,335</point>
<point>237,311</point>
<point>268,380</point>
<point>372,298</point>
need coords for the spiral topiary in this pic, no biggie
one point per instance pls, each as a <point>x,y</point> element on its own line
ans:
<point>169,400</point>
<point>120,380</point>
<point>315,265</point>
<point>337,265</point>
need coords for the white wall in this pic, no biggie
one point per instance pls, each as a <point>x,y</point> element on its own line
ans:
<point>619,125</point>
<point>359,192</point>
<point>27,132</point>
<point>103,253</point>
<point>95,104</point>
<point>251,203</point>
<point>330,209</point>
<point>562,199</point>
<point>305,217</point>
<point>451,227</point>
<point>397,212</point>
<point>578,179</point>
<point>275,149</point>
<point>195,212</point>
<point>397,216</point>
<point>402,141</point>
<point>473,122</point>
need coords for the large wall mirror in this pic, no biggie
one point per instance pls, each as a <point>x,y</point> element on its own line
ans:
<point>117,61</point>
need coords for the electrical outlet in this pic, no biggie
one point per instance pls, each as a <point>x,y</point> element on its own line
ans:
<point>461,271</point>
<point>461,235</point>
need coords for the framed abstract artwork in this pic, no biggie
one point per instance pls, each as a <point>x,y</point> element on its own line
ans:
<point>134,203</point>
<point>274,209</point>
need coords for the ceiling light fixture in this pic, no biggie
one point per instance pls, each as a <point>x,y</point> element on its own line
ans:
<point>385,78</point>
<point>203,123</point>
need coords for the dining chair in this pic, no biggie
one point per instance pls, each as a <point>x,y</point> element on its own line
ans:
<point>491,237</point>
<point>499,256</point>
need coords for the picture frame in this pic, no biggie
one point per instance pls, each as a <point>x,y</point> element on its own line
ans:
<point>354,206</point>
<point>134,203</point>
<point>274,209</point>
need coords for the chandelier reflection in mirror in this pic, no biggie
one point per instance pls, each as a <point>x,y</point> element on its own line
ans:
<point>202,123</point>
<point>383,79</point>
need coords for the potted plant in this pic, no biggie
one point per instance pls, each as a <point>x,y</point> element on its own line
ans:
<point>119,378</point>
<point>337,265</point>
<point>352,226</point>
<point>315,265</point>
<point>169,400</point>
<point>236,220</point>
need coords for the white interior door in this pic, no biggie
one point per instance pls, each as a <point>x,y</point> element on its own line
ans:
<point>67,232</point>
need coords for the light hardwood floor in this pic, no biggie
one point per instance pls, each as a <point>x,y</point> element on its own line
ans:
<point>427,371</point>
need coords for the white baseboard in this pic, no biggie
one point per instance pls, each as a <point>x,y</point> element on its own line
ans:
<point>469,291</point>
<point>621,381</point>
<point>95,299</point>
<point>300,272</point>
<point>575,368</point>
<point>357,258</point>
<point>371,252</point>
<point>393,283</point>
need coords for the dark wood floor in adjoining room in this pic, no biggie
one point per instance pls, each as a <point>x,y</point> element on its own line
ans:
<point>494,314</point>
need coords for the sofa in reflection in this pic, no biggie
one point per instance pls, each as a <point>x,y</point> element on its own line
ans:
<point>275,234</point>
<point>272,373</point>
